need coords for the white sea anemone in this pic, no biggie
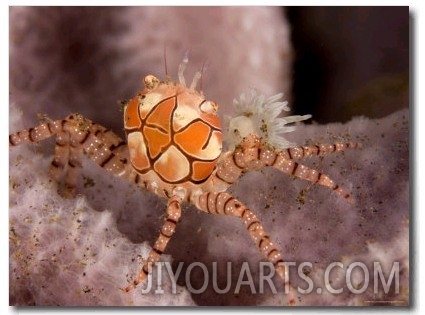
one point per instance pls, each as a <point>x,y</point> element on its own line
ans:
<point>256,114</point>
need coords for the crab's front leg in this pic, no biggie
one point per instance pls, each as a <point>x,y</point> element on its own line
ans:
<point>172,217</point>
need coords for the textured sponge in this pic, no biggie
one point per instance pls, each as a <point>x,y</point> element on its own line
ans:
<point>92,244</point>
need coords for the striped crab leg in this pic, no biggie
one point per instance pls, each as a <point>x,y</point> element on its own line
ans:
<point>224,204</point>
<point>76,135</point>
<point>252,154</point>
<point>172,217</point>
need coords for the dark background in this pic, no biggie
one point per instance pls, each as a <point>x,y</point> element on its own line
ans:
<point>349,61</point>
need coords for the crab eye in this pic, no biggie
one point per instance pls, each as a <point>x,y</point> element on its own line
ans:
<point>151,81</point>
<point>209,107</point>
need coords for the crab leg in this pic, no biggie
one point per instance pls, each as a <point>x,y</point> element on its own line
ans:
<point>167,231</point>
<point>304,172</point>
<point>300,152</point>
<point>224,203</point>
<point>254,155</point>
<point>76,135</point>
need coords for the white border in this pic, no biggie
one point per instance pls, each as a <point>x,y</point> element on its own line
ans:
<point>417,169</point>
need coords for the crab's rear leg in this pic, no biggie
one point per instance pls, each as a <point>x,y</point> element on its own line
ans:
<point>304,172</point>
<point>76,135</point>
<point>69,157</point>
<point>300,152</point>
<point>253,154</point>
<point>224,203</point>
<point>172,217</point>
<point>65,157</point>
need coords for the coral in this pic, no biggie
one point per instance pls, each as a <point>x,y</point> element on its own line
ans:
<point>92,243</point>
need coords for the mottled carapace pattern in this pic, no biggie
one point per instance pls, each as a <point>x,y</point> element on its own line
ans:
<point>172,131</point>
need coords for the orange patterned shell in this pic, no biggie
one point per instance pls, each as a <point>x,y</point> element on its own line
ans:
<point>173,131</point>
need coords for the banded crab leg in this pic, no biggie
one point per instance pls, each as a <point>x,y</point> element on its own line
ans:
<point>173,215</point>
<point>223,203</point>
<point>76,135</point>
<point>252,154</point>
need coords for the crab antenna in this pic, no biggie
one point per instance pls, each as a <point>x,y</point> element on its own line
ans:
<point>203,69</point>
<point>165,61</point>
<point>182,67</point>
<point>198,78</point>
<point>195,80</point>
